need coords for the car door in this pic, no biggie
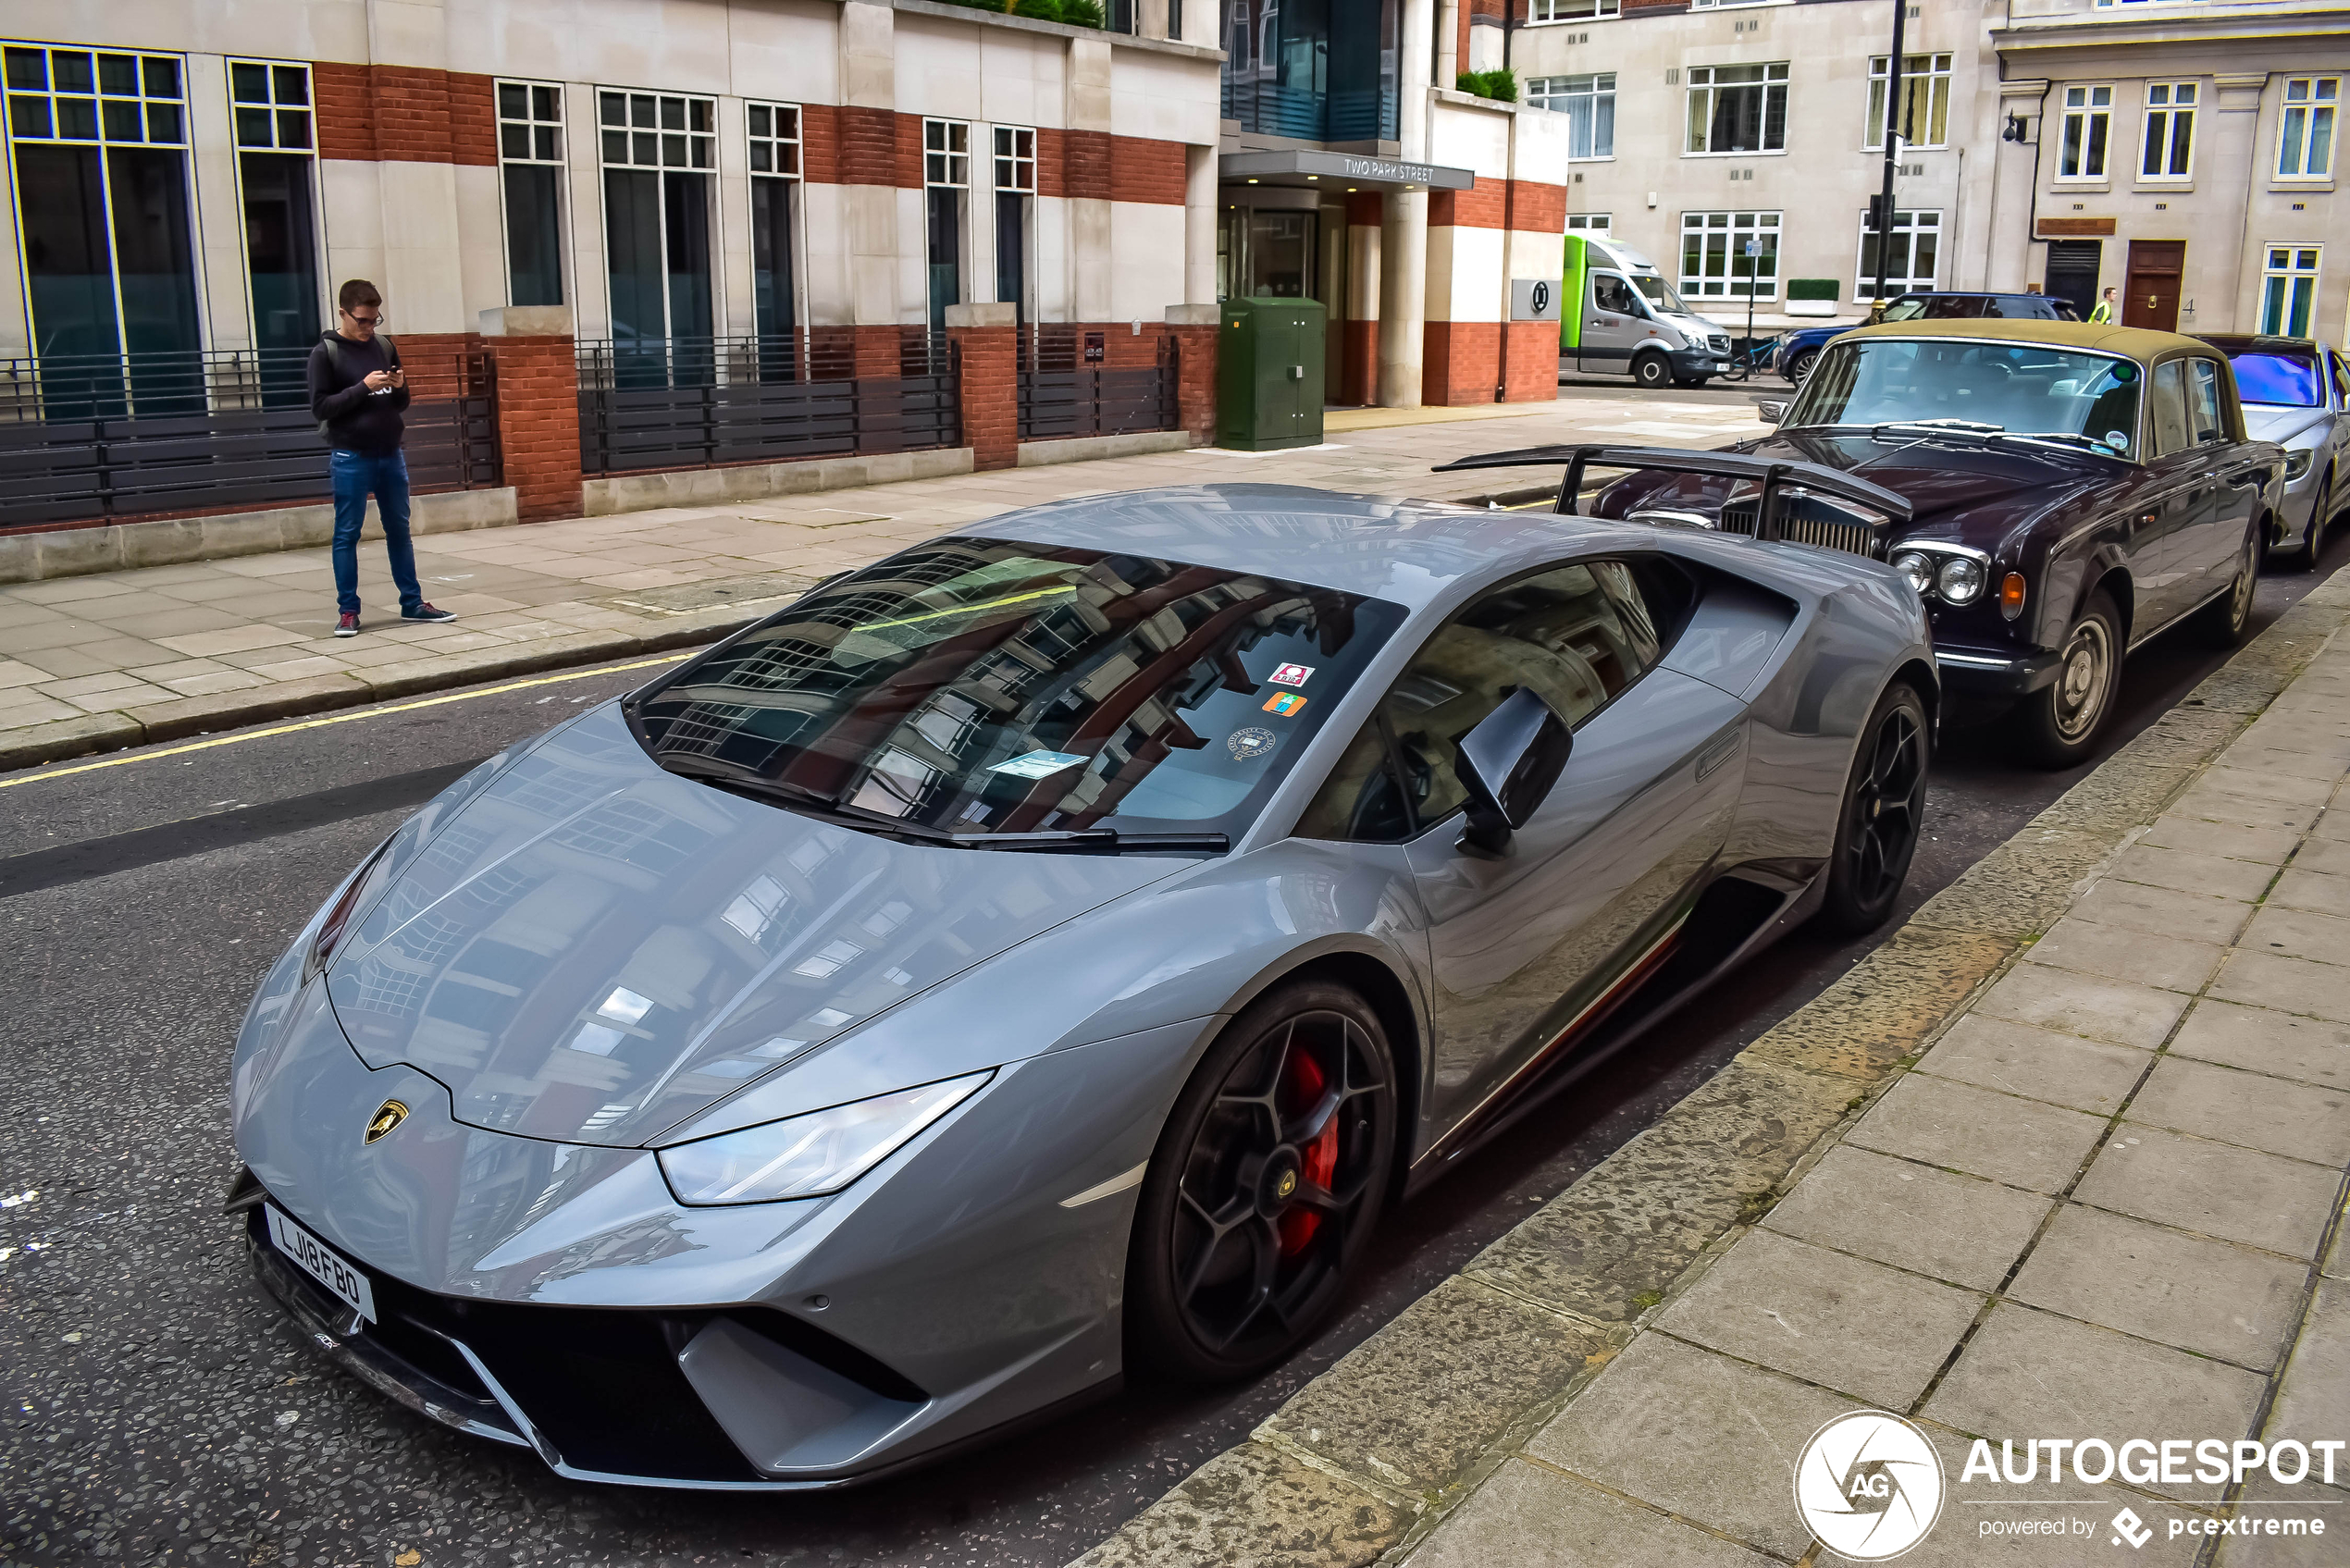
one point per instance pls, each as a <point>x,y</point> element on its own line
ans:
<point>2171,508</point>
<point>1612,322</point>
<point>1521,946</point>
<point>2229,482</point>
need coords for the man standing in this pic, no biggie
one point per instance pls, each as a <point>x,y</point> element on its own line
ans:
<point>2103,314</point>
<point>356,392</point>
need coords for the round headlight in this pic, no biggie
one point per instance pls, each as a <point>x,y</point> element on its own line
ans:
<point>1960,580</point>
<point>1916,568</point>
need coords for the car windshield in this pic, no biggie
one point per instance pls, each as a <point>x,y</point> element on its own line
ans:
<point>2020,389</point>
<point>1904,310</point>
<point>981,686</point>
<point>2285,376</point>
<point>1659,292</point>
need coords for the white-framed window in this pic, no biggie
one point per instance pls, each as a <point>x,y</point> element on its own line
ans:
<point>2289,290</point>
<point>98,146</point>
<point>772,134</point>
<point>2168,149</point>
<point>947,149</point>
<point>1572,11</point>
<point>1925,100</point>
<point>1602,224</point>
<point>1714,262</point>
<point>2087,127</point>
<point>660,153</point>
<point>657,131</point>
<point>1914,260</point>
<point>1587,101</point>
<point>1016,159</point>
<point>530,171</point>
<point>1737,108</point>
<point>772,130</point>
<point>2304,130</point>
<point>271,109</point>
<point>1725,5</point>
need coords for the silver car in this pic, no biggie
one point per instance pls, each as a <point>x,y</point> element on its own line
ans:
<point>2295,391</point>
<point>1042,955</point>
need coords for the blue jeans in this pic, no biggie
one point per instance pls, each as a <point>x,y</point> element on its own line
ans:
<point>356,475</point>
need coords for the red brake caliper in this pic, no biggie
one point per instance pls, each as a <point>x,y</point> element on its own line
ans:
<point>1319,1159</point>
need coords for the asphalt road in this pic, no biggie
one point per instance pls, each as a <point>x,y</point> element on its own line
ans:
<point>155,1409</point>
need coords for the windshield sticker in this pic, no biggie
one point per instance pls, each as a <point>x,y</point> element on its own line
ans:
<point>1292,674</point>
<point>1037,764</point>
<point>1285,703</point>
<point>1251,742</point>
<point>2117,440</point>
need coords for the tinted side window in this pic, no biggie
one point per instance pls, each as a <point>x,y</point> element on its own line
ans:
<point>2168,409</point>
<point>1578,634</point>
<point>2203,420</point>
<point>1953,307</point>
<point>1610,292</point>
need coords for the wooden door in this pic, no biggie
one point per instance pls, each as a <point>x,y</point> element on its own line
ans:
<point>2152,297</point>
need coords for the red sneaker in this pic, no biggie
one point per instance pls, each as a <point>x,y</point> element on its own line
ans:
<point>349,625</point>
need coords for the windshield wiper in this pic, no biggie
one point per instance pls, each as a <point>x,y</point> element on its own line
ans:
<point>1097,841</point>
<point>798,797</point>
<point>2061,435</point>
<point>1941,426</point>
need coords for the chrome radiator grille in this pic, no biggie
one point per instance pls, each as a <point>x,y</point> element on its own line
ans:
<point>1806,520</point>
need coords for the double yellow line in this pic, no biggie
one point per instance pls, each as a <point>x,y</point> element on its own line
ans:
<point>353,716</point>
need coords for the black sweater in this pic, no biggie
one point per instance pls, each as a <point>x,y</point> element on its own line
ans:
<point>356,419</point>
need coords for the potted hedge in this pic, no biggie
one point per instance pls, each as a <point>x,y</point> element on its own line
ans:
<point>1813,296</point>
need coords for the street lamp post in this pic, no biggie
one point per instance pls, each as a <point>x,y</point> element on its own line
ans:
<point>1892,150</point>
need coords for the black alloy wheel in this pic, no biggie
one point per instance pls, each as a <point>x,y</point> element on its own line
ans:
<point>1267,1182</point>
<point>2058,725</point>
<point>2314,546</point>
<point>2226,620</point>
<point>1800,365</point>
<point>1877,833</point>
<point>1652,369</point>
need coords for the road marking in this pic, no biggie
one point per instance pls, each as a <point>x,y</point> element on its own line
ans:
<point>350,716</point>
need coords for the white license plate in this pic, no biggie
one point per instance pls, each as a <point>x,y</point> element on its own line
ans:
<point>322,1262</point>
<point>1721,367</point>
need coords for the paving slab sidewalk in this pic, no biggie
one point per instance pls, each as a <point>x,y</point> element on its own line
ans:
<point>2064,1159</point>
<point>118,658</point>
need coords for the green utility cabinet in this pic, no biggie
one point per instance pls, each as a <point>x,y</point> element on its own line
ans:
<point>1269,374</point>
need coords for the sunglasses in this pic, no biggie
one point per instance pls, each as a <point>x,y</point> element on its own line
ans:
<point>375,320</point>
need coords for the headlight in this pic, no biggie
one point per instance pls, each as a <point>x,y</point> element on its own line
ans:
<point>806,1156</point>
<point>1960,580</point>
<point>1916,568</point>
<point>2298,461</point>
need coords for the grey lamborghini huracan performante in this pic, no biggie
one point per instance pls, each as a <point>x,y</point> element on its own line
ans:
<point>1042,955</point>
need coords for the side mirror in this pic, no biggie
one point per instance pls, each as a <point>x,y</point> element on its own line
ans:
<point>1507,765</point>
<point>1771,410</point>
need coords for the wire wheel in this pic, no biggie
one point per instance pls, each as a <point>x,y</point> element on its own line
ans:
<point>1280,1178</point>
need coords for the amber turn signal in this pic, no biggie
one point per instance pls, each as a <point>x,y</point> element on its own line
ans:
<point>2012,595</point>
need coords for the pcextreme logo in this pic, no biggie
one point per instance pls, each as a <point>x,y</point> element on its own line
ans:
<point>1868,1485</point>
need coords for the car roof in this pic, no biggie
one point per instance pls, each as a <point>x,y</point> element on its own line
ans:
<point>2131,343</point>
<point>1407,552</point>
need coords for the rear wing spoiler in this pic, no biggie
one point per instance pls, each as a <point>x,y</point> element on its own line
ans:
<point>1773,475</point>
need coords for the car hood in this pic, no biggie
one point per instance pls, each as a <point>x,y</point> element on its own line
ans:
<point>592,950</point>
<point>2280,423</point>
<point>1940,477</point>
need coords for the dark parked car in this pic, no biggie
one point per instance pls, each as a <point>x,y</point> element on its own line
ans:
<point>1799,351</point>
<point>2073,491</point>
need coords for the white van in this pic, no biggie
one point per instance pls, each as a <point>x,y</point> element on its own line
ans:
<point>1618,317</point>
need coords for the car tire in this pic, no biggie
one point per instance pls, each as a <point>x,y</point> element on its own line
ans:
<point>1876,832</point>
<point>1799,367</point>
<point>2226,620</point>
<point>1230,1270</point>
<point>1652,370</point>
<point>2314,546</point>
<point>2058,724</point>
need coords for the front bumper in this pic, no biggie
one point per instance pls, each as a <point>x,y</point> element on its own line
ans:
<point>1692,365</point>
<point>1996,676</point>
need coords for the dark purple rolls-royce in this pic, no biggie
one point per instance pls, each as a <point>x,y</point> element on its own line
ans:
<point>2057,493</point>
